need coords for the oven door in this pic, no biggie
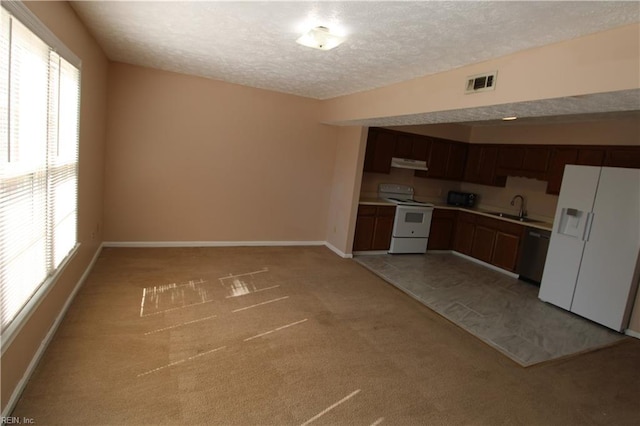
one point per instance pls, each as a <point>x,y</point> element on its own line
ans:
<point>412,222</point>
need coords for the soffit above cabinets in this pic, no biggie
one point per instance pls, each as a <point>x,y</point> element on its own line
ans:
<point>624,104</point>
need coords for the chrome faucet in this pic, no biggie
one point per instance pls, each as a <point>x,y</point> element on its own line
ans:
<point>522,213</point>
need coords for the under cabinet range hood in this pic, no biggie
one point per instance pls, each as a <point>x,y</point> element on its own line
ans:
<point>407,163</point>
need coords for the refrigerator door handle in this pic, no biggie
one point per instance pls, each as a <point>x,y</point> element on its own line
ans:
<point>587,227</point>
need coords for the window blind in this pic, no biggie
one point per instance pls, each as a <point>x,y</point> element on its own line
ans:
<point>39,119</point>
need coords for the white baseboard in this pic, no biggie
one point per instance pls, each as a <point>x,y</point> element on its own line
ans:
<point>486,265</point>
<point>47,339</point>
<point>337,250</point>
<point>142,244</point>
<point>165,244</point>
<point>632,333</point>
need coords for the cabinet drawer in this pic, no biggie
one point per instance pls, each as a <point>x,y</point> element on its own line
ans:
<point>488,222</point>
<point>467,217</point>
<point>366,210</point>
<point>510,228</point>
<point>444,214</point>
<point>386,211</point>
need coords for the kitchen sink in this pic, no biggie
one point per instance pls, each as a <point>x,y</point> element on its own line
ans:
<point>512,217</point>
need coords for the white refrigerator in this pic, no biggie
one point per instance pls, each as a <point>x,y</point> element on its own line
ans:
<point>593,262</point>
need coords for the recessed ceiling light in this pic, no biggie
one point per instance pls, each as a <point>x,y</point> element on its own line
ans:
<point>320,38</point>
<point>511,118</point>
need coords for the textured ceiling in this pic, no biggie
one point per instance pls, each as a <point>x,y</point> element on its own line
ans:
<point>253,43</point>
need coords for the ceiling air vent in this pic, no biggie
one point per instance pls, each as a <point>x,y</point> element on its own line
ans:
<point>481,82</point>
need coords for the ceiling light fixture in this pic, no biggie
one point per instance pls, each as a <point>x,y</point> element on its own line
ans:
<point>511,118</point>
<point>320,38</point>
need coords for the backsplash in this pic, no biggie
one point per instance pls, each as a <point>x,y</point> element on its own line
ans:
<point>539,204</point>
<point>427,189</point>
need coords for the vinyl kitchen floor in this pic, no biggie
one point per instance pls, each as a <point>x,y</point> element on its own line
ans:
<point>502,311</point>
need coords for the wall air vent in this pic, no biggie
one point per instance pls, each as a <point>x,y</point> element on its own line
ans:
<point>481,82</point>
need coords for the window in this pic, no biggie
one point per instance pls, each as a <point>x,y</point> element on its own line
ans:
<point>39,119</point>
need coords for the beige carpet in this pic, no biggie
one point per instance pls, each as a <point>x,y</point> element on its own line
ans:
<point>292,336</point>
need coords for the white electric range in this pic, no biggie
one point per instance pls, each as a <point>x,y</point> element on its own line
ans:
<point>412,222</point>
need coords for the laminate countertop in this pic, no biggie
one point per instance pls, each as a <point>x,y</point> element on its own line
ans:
<point>532,223</point>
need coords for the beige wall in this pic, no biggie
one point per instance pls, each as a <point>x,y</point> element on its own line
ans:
<point>345,188</point>
<point>61,19</point>
<point>194,159</point>
<point>602,62</point>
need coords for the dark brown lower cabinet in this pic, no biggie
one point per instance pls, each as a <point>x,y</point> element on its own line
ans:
<point>505,250</point>
<point>465,226</point>
<point>484,239</point>
<point>491,240</point>
<point>443,225</point>
<point>374,226</point>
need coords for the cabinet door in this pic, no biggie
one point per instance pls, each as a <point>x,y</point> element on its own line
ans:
<point>383,228</point>
<point>560,158</point>
<point>456,161</point>
<point>510,158</point>
<point>488,166</point>
<point>363,239</point>
<point>528,161</point>
<point>438,158</point>
<point>472,167</point>
<point>623,156</point>
<point>443,223</point>
<point>590,157</point>
<point>411,146</point>
<point>505,252</point>
<point>380,148</point>
<point>481,166</point>
<point>483,243</point>
<point>420,147</point>
<point>465,227</point>
<point>536,160</point>
<point>404,146</point>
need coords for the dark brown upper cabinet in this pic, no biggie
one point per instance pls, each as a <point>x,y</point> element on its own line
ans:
<point>445,160</point>
<point>481,165</point>
<point>381,146</point>
<point>530,161</point>
<point>411,146</point>
<point>490,164</point>
<point>563,155</point>
<point>623,156</point>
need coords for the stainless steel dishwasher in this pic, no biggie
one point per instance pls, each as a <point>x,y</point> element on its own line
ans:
<point>534,254</point>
